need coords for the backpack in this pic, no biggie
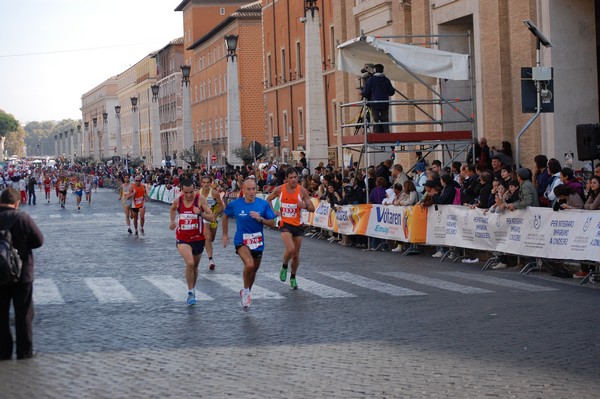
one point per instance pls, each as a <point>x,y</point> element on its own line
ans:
<point>10,261</point>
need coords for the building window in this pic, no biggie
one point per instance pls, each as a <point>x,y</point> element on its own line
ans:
<point>285,126</point>
<point>298,60</point>
<point>210,130</point>
<point>300,123</point>
<point>334,112</point>
<point>332,47</point>
<point>283,66</point>
<point>222,11</point>
<point>269,71</point>
<point>271,128</point>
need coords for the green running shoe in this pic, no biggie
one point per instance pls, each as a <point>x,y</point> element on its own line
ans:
<point>293,283</point>
<point>283,274</point>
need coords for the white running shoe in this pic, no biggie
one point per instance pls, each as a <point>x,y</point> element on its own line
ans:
<point>500,266</point>
<point>397,249</point>
<point>438,254</point>
<point>245,300</point>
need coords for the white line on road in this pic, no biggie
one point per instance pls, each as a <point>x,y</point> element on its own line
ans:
<point>499,281</point>
<point>108,289</point>
<point>437,283</point>
<point>45,292</point>
<point>54,216</point>
<point>174,288</point>
<point>235,283</point>
<point>315,288</point>
<point>371,284</point>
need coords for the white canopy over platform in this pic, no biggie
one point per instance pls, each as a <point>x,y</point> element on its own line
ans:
<point>402,62</point>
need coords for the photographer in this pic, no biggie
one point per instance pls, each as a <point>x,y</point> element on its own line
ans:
<point>377,91</point>
<point>567,198</point>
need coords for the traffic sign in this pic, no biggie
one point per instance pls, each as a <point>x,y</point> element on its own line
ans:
<point>213,157</point>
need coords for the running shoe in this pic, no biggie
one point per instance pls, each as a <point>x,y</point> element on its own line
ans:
<point>293,283</point>
<point>136,233</point>
<point>245,301</point>
<point>191,299</point>
<point>142,231</point>
<point>129,230</point>
<point>283,274</point>
<point>211,265</point>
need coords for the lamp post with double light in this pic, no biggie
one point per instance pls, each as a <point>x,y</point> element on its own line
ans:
<point>234,126</point>
<point>156,148</point>
<point>135,124</point>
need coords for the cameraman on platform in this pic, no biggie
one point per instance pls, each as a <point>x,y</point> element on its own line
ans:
<point>379,89</point>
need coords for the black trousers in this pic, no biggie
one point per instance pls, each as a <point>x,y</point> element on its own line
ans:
<point>380,115</point>
<point>21,295</point>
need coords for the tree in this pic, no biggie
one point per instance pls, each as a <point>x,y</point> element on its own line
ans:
<point>190,156</point>
<point>8,124</point>
<point>14,142</point>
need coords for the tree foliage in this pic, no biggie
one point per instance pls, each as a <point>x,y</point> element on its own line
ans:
<point>8,123</point>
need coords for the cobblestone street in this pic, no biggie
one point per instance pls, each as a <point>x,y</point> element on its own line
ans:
<point>112,322</point>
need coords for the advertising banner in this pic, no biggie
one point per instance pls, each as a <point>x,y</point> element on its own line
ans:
<point>536,232</point>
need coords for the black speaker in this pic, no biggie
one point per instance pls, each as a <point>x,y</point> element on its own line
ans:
<point>588,142</point>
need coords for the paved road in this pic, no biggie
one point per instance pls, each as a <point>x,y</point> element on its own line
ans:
<point>111,322</point>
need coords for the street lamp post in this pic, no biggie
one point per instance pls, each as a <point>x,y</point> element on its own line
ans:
<point>135,124</point>
<point>95,139</point>
<point>56,145</point>
<point>38,145</point>
<point>78,142</point>
<point>86,139</point>
<point>105,149</point>
<point>119,142</point>
<point>188,140</point>
<point>71,146</point>
<point>156,150</point>
<point>234,126</point>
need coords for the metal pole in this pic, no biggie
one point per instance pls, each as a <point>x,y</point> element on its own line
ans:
<point>538,110</point>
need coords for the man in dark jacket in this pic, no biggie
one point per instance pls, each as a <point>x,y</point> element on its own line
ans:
<point>26,236</point>
<point>379,89</point>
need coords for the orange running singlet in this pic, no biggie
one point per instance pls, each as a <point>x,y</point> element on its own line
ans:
<point>290,213</point>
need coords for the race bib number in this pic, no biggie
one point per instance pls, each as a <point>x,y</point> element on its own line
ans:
<point>139,202</point>
<point>188,221</point>
<point>253,240</point>
<point>289,210</point>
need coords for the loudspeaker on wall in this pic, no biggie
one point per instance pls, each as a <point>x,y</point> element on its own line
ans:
<point>588,142</point>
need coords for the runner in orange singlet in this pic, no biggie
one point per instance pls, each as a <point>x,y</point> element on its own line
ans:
<point>293,198</point>
<point>139,195</point>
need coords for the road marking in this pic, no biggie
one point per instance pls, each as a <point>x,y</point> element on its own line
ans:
<point>100,215</point>
<point>54,216</point>
<point>315,288</point>
<point>437,283</point>
<point>372,284</point>
<point>108,289</point>
<point>235,283</point>
<point>45,292</point>
<point>499,281</point>
<point>174,288</point>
